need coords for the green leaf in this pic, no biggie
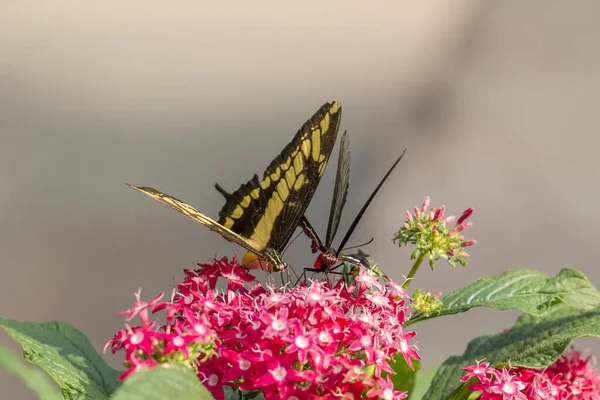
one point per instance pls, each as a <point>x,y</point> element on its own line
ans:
<point>66,355</point>
<point>231,394</point>
<point>533,342</point>
<point>404,377</point>
<point>527,290</point>
<point>165,381</point>
<point>32,377</point>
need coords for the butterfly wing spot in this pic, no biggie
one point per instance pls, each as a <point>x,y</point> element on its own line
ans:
<point>298,163</point>
<point>265,183</point>
<point>305,146</point>
<point>245,201</point>
<point>322,169</point>
<point>276,175</point>
<point>316,144</point>
<point>283,189</point>
<point>300,181</point>
<point>228,222</point>
<point>290,176</point>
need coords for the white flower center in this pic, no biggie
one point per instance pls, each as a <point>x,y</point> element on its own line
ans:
<point>213,380</point>
<point>301,342</point>
<point>244,364</point>
<point>278,325</point>
<point>325,337</point>
<point>365,340</point>
<point>508,388</point>
<point>279,374</point>
<point>137,338</point>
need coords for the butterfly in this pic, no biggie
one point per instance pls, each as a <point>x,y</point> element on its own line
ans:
<point>329,256</point>
<point>262,215</point>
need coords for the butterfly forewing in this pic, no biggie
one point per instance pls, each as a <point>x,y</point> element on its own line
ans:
<point>197,216</point>
<point>267,212</point>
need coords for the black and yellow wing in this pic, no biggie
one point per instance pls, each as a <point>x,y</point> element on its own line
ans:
<point>197,216</point>
<point>268,211</point>
<point>261,215</point>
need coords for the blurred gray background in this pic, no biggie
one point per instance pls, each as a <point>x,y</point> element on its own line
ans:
<point>497,103</point>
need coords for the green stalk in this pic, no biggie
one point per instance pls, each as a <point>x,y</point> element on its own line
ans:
<point>413,270</point>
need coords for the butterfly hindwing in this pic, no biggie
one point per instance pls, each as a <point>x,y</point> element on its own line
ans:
<point>268,211</point>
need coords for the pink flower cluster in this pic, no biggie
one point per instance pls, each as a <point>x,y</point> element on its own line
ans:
<point>572,377</point>
<point>183,341</point>
<point>312,341</point>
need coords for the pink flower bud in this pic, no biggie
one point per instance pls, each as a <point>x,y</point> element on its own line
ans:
<point>466,214</point>
<point>439,214</point>
<point>449,219</point>
<point>426,202</point>
<point>462,227</point>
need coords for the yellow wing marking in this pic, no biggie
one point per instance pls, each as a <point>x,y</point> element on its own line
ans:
<point>290,176</point>
<point>237,212</point>
<point>298,162</point>
<point>286,164</point>
<point>255,193</point>
<point>299,182</point>
<point>276,175</point>
<point>245,201</point>
<point>191,212</point>
<point>264,227</point>
<point>334,107</point>
<point>316,144</point>
<point>322,169</point>
<point>265,183</point>
<point>325,123</point>
<point>305,146</point>
<point>283,189</point>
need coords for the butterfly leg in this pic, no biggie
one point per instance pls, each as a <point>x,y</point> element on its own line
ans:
<point>302,277</point>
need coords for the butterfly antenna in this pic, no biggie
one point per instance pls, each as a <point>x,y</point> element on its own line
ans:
<point>291,241</point>
<point>293,272</point>
<point>366,205</point>
<point>360,245</point>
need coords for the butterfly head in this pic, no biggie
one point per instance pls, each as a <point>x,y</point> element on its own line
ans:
<point>325,261</point>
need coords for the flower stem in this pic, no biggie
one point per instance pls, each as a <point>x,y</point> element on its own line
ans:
<point>413,270</point>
